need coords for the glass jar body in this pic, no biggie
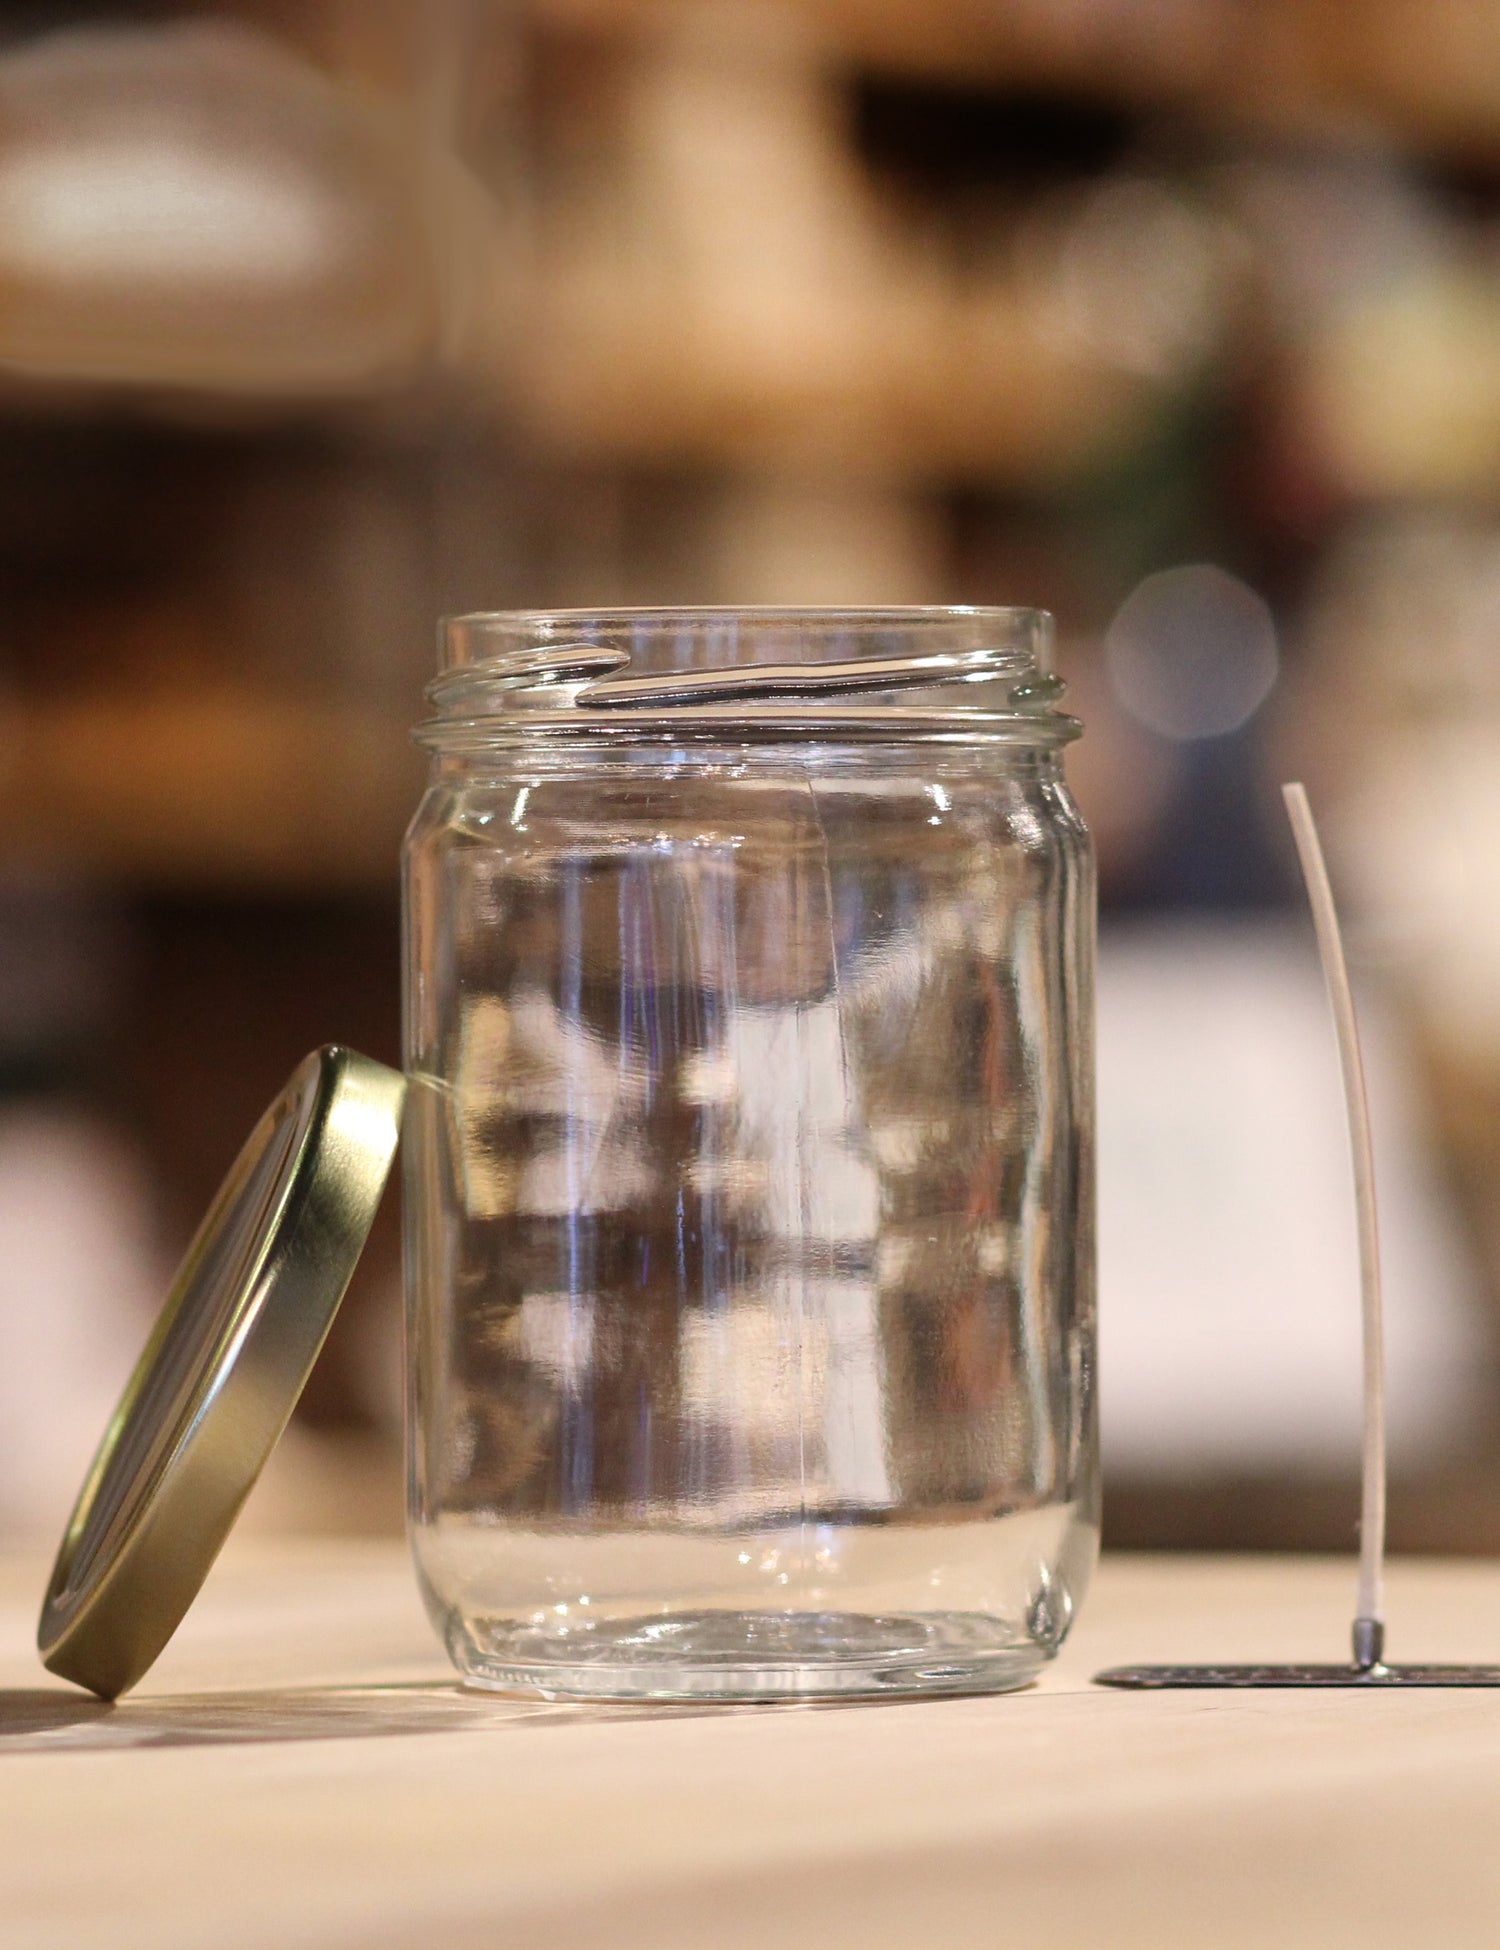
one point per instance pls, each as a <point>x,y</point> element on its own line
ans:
<point>749,1216</point>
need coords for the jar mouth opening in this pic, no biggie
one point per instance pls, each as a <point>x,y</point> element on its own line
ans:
<point>801,673</point>
<point>673,639</point>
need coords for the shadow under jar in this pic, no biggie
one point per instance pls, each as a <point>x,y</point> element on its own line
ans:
<point>749,1154</point>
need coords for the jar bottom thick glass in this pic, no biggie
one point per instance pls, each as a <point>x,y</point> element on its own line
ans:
<point>742,1656</point>
<point>997,1597</point>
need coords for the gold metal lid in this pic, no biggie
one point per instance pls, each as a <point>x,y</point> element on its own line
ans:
<point>222,1371</point>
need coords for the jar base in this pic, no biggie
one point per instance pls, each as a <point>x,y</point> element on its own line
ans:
<point>737,1656</point>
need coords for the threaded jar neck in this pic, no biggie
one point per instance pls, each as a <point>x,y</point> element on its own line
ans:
<point>747,674</point>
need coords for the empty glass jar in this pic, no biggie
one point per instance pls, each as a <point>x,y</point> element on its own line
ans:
<point>749,1154</point>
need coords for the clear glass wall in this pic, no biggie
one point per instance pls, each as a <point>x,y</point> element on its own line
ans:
<point>749,1179</point>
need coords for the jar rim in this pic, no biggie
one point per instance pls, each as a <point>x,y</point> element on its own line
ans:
<point>480,636</point>
<point>636,673</point>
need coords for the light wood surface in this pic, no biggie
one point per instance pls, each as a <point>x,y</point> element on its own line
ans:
<point>299,1770</point>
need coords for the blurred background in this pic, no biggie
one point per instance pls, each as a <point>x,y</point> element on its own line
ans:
<point>1180,318</point>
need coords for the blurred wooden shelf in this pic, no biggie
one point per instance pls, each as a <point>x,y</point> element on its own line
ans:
<point>974,394</point>
<point>967,40</point>
<point>1427,70</point>
<point>233,789</point>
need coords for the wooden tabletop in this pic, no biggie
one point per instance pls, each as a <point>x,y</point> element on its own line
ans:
<point>300,1770</point>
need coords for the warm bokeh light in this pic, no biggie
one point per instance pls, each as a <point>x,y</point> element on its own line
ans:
<point>1183,321</point>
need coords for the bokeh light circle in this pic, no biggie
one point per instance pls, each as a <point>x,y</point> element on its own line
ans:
<point>1191,652</point>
